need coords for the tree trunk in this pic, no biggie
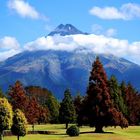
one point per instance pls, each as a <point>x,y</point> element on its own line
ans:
<point>66,125</point>
<point>1,136</point>
<point>99,129</point>
<point>17,137</point>
<point>33,127</point>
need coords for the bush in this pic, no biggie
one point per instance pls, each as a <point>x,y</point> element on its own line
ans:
<point>73,131</point>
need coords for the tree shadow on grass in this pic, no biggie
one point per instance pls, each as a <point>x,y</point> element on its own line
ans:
<point>59,134</point>
<point>92,132</point>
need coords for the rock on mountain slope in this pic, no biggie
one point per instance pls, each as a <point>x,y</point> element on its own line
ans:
<point>58,70</point>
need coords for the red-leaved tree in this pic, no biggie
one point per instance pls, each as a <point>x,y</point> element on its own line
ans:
<point>99,108</point>
<point>17,96</point>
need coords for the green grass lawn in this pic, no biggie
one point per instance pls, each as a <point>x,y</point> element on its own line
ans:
<point>131,133</point>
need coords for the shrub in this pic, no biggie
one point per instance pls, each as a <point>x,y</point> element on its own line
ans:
<point>73,131</point>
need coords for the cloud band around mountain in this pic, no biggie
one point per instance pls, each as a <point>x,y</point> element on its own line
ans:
<point>99,44</point>
<point>96,43</point>
<point>9,46</point>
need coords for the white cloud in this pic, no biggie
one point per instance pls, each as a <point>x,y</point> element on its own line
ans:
<point>125,12</point>
<point>9,43</point>
<point>99,30</point>
<point>96,43</point>
<point>24,9</point>
<point>99,44</point>
<point>9,46</point>
<point>55,43</point>
<point>111,32</point>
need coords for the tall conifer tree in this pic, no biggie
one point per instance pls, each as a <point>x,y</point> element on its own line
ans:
<point>116,95</point>
<point>67,112</point>
<point>100,110</point>
<point>17,96</point>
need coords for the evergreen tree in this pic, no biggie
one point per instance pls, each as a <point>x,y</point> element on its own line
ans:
<point>19,124</point>
<point>78,101</point>
<point>132,100</point>
<point>67,112</point>
<point>53,106</point>
<point>123,90</point>
<point>116,95</point>
<point>6,116</point>
<point>100,110</point>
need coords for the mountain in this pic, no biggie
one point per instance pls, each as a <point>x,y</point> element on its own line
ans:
<point>67,29</point>
<point>58,70</point>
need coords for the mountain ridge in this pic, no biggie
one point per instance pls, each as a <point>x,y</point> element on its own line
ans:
<point>57,70</point>
<point>67,29</point>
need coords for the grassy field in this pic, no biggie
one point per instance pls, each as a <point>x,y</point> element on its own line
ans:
<point>131,133</point>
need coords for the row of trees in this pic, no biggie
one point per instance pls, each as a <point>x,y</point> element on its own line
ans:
<point>107,103</point>
<point>38,104</point>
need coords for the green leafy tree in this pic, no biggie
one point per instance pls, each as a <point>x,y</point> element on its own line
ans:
<point>6,115</point>
<point>19,124</point>
<point>116,95</point>
<point>99,109</point>
<point>67,112</point>
<point>53,106</point>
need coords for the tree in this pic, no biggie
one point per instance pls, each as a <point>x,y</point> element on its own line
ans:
<point>132,100</point>
<point>32,111</point>
<point>44,115</point>
<point>17,96</point>
<point>123,89</point>
<point>99,109</point>
<point>27,104</point>
<point>78,101</point>
<point>19,124</point>
<point>67,112</point>
<point>53,106</point>
<point>46,101</point>
<point>116,96</point>
<point>41,94</point>
<point>6,115</point>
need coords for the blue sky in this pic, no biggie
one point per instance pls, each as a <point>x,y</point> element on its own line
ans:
<point>22,21</point>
